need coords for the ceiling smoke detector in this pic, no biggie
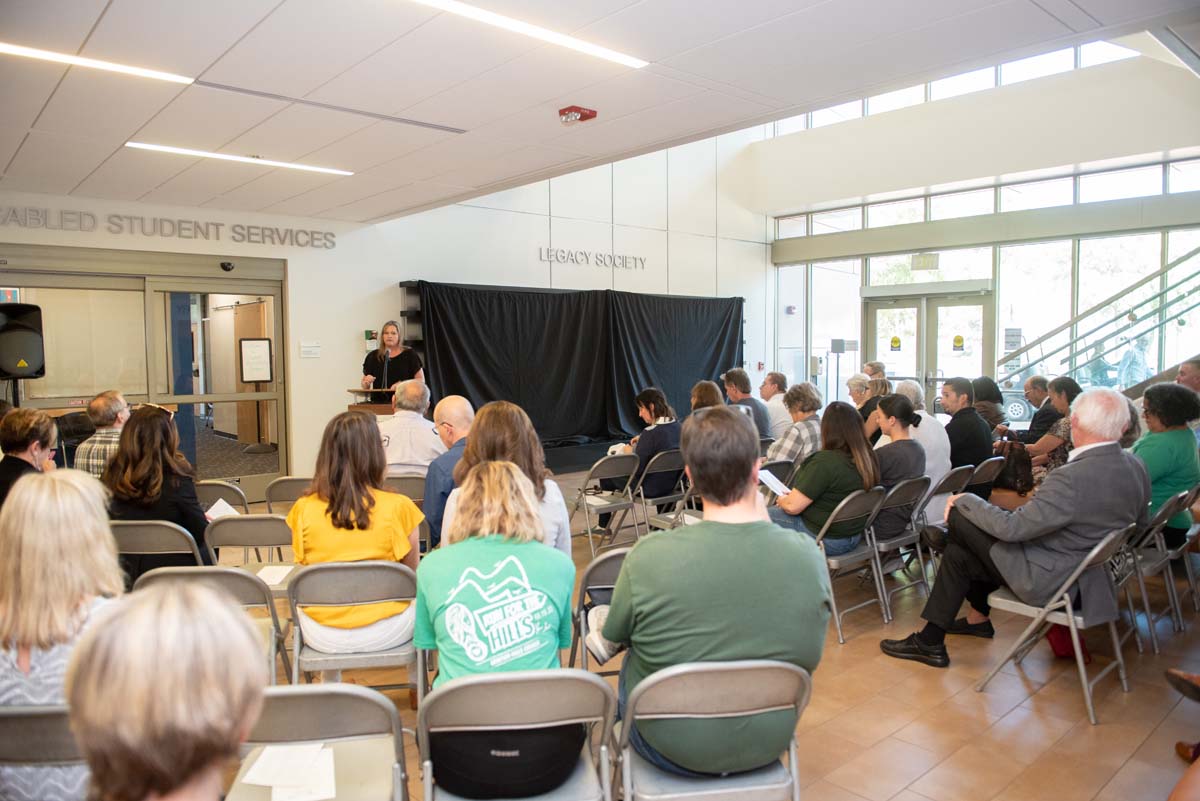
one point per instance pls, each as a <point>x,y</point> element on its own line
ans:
<point>573,114</point>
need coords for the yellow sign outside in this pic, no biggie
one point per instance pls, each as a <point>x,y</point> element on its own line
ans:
<point>959,342</point>
<point>895,343</point>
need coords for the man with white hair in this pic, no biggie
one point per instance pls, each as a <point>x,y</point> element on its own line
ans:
<point>1034,549</point>
<point>410,442</point>
<point>930,435</point>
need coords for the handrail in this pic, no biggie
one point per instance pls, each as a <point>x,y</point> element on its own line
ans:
<point>1157,324</point>
<point>1170,266</point>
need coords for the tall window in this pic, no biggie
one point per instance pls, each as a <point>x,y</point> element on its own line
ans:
<point>836,314</point>
<point>1033,298</point>
<point>1106,265</point>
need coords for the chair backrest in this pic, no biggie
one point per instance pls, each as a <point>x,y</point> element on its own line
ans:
<point>858,505</point>
<point>907,493</point>
<point>601,573</point>
<point>669,461</point>
<point>36,735</point>
<point>326,713</point>
<point>249,531</point>
<point>210,491</point>
<point>245,588</point>
<point>521,699</point>
<point>351,584</point>
<point>137,537</point>
<point>718,690</point>
<point>1109,548</point>
<point>622,465</point>
<point>1170,507</point>
<point>284,491</point>
<point>764,443</point>
<point>780,468</point>
<point>954,481</point>
<point>987,471</point>
<point>412,487</point>
<point>1192,496</point>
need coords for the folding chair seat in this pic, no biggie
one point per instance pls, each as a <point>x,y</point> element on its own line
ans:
<point>525,699</point>
<point>254,531</point>
<point>361,727</point>
<point>669,461</point>
<point>594,500</point>
<point>285,491</point>
<point>708,690</point>
<point>683,513</point>
<point>859,505</point>
<point>1060,610</point>
<point>413,488</point>
<point>595,586</point>
<point>353,584</point>
<point>245,588</point>
<point>908,493</point>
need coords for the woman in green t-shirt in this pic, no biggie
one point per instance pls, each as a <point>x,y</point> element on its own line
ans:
<point>1169,451</point>
<point>844,464</point>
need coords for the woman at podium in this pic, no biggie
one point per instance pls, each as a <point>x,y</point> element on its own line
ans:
<point>391,363</point>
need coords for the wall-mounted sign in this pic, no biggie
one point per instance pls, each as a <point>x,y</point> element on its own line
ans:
<point>592,258</point>
<point>1012,339</point>
<point>895,344</point>
<point>166,227</point>
<point>959,342</point>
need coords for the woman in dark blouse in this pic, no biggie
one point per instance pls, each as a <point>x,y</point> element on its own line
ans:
<point>391,363</point>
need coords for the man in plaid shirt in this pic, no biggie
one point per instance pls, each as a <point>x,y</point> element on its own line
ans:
<point>803,439</point>
<point>108,412</point>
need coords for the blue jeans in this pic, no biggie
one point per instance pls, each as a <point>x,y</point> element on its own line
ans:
<point>834,546</point>
<point>644,749</point>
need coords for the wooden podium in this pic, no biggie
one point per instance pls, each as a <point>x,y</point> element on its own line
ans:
<point>367,400</point>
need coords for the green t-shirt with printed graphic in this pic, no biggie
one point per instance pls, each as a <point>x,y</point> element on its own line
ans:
<point>488,604</point>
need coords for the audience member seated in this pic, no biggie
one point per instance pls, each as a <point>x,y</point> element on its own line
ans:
<point>866,392</point>
<point>1134,431</point>
<point>1189,376</point>
<point>410,442</point>
<point>1169,451</point>
<point>668,616</point>
<point>151,480</point>
<point>901,459</point>
<point>874,370</point>
<point>1051,450</point>
<point>163,689</point>
<point>502,432</point>
<point>844,464</point>
<point>803,439</point>
<point>970,435</point>
<point>931,436</point>
<point>492,574</point>
<point>108,412</point>
<point>452,419</point>
<point>737,387</point>
<point>28,438</point>
<point>348,516</point>
<point>1034,549</point>
<point>58,567</point>
<point>772,390</point>
<point>706,394</point>
<point>989,402</point>
<point>661,434</point>
<point>1037,392</point>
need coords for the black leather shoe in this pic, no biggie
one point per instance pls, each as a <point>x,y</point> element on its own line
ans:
<point>935,537</point>
<point>961,626</point>
<point>912,648</point>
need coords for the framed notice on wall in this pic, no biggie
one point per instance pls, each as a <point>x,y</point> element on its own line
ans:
<point>255,360</point>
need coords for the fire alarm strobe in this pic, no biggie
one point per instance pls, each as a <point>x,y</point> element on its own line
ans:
<point>573,114</point>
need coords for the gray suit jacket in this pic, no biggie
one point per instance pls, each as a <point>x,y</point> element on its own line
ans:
<point>1103,489</point>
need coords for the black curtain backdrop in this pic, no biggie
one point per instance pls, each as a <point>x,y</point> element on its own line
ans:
<point>574,360</point>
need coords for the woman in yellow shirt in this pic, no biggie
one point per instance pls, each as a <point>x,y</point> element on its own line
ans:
<point>347,516</point>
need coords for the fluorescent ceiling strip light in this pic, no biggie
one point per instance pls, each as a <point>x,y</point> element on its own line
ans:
<point>204,154</point>
<point>535,31</point>
<point>80,61</point>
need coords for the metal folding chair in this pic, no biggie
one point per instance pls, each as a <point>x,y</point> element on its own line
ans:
<point>1060,610</point>
<point>245,588</point>
<point>764,443</point>
<point>908,493</point>
<point>595,585</point>
<point>669,461</point>
<point>37,736</point>
<point>1154,559</point>
<point>952,483</point>
<point>360,726</point>
<point>597,501</point>
<point>526,699</point>
<point>210,491</point>
<point>986,473</point>
<point>859,505</point>
<point>683,514</point>
<point>710,690</point>
<point>413,488</point>
<point>147,537</point>
<point>1181,553</point>
<point>285,491</point>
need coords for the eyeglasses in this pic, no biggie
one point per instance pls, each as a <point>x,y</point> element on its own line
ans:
<point>169,412</point>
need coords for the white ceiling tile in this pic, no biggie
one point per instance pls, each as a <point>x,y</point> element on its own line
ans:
<point>556,14</point>
<point>305,43</point>
<point>180,36</point>
<point>511,165</point>
<point>25,86</point>
<point>393,201</point>
<point>202,181</point>
<point>59,25</point>
<point>129,174</point>
<point>375,144</point>
<point>295,131</point>
<point>10,140</point>
<point>462,152</point>
<point>1113,12</point>
<point>274,187</point>
<point>54,163</point>
<point>1068,13</point>
<point>104,102</point>
<point>417,66</point>
<point>539,76</point>
<point>202,118</point>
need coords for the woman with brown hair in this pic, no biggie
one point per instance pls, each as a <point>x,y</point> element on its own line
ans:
<point>347,516</point>
<point>502,432</point>
<point>390,363</point>
<point>705,394</point>
<point>27,438</point>
<point>151,480</point>
<point>844,464</point>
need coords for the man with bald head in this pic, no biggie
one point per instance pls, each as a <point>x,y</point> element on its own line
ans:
<point>409,441</point>
<point>452,419</point>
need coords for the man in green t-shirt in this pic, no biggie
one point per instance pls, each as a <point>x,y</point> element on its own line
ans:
<point>734,586</point>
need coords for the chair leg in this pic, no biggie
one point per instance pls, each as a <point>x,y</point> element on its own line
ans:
<point>1116,641</point>
<point>885,602</point>
<point>575,640</point>
<point>583,651</point>
<point>587,522</point>
<point>1190,572</point>
<point>283,656</point>
<point>1141,580</point>
<point>837,616</point>
<point>1083,676</point>
<point>1027,647</point>
<point>1033,626</point>
<point>1168,575</point>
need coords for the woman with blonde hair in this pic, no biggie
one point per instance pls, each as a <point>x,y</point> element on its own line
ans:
<point>492,553</point>
<point>162,690</point>
<point>502,432</point>
<point>27,438</point>
<point>390,363</point>
<point>58,567</point>
<point>348,516</point>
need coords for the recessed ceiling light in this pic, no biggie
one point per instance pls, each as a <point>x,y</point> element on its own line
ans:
<point>204,154</point>
<point>535,31</point>
<point>96,64</point>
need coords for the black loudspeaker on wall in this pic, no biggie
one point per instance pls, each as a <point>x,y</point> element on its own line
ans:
<point>21,351</point>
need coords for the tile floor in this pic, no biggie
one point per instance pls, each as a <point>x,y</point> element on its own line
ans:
<point>886,730</point>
